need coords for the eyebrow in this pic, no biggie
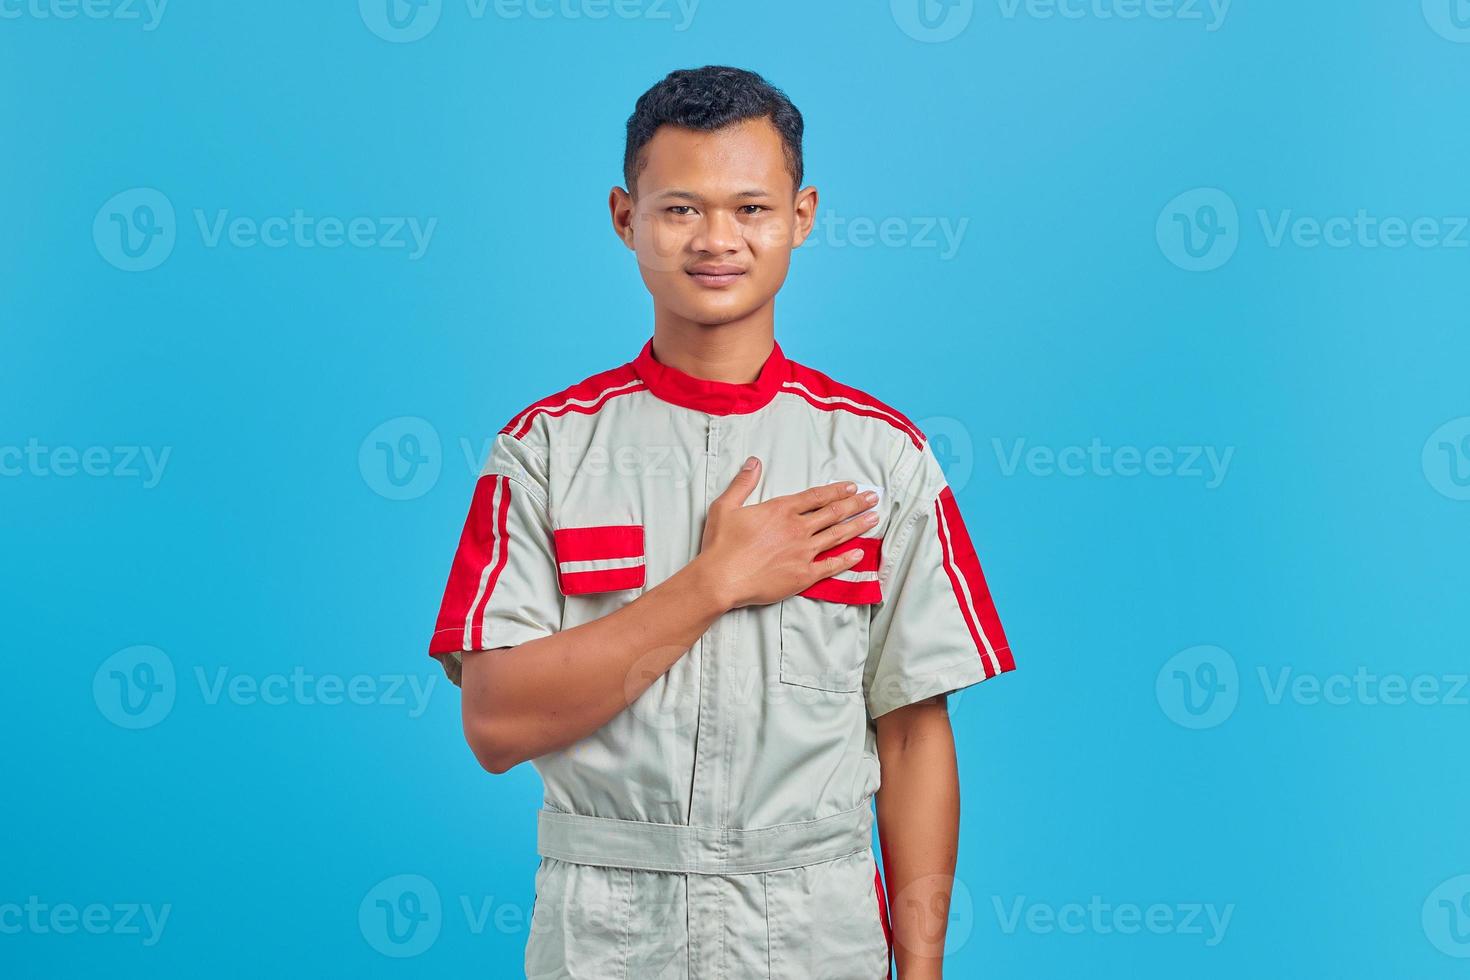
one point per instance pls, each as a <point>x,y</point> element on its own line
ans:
<point>684,195</point>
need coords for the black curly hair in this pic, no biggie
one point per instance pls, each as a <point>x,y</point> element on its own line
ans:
<point>710,98</point>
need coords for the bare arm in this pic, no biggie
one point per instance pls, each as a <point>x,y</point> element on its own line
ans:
<point>523,701</point>
<point>918,831</point>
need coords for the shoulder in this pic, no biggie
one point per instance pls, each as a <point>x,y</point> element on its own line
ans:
<point>522,447</point>
<point>586,397</point>
<point>824,393</point>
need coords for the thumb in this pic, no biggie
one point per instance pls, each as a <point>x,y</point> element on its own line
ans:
<point>743,483</point>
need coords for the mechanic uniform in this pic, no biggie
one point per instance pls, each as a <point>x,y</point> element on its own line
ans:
<point>721,825</point>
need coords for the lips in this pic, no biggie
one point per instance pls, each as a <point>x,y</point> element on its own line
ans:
<point>716,275</point>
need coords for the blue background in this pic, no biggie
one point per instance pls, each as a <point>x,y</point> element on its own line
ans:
<point>1335,540</point>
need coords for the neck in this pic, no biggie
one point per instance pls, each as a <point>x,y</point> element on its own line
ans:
<point>732,352</point>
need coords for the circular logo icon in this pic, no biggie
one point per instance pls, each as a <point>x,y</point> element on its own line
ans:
<point>1446,459</point>
<point>400,21</point>
<point>401,916</point>
<point>949,440</point>
<point>135,230</point>
<point>932,21</point>
<point>914,901</point>
<point>1449,18</point>
<point>1446,917</point>
<point>1199,230</point>
<point>135,688</point>
<point>401,458</point>
<point>1199,687</point>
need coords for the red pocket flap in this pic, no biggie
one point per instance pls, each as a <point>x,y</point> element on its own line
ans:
<point>603,558</point>
<point>859,584</point>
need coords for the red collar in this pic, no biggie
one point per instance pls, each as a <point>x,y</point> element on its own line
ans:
<point>714,397</point>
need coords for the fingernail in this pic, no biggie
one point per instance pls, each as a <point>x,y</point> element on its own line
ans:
<point>870,496</point>
<point>855,553</point>
<point>749,463</point>
<point>849,487</point>
<point>870,517</point>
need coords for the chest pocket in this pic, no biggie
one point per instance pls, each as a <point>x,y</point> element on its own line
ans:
<point>598,568</point>
<point>824,629</point>
<point>599,558</point>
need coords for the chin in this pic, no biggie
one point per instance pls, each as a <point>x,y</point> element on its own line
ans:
<point>714,315</point>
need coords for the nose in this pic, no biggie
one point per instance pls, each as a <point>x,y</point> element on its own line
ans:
<point>718,232</point>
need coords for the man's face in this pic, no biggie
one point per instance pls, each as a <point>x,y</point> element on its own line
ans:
<point>715,220</point>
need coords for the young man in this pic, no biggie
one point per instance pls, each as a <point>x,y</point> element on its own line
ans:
<point>716,598</point>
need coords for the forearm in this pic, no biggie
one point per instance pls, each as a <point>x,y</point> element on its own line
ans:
<point>918,830</point>
<point>523,701</point>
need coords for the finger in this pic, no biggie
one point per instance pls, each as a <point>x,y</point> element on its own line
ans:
<point>837,563</point>
<point>815,497</point>
<point>741,485</point>
<point>844,531</point>
<point>841,509</point>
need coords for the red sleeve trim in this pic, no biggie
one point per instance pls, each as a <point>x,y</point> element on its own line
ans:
<point>478,562</point>
<point>962,566</point>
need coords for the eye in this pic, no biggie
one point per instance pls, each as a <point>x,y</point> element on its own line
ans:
<point>680,209</point>
<point>755,208</point>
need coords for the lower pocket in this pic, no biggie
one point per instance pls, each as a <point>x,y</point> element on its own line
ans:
<point>823,921</point>
<point>824,644</point>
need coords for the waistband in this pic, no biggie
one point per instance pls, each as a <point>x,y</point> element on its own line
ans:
<point>645,846</point>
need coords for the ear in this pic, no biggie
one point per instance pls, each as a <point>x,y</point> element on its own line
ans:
<point>620,208</point>
<point>806,215</point>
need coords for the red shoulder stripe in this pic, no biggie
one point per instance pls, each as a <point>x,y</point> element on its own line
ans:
<point>584,398</point>
<point>822,392</point>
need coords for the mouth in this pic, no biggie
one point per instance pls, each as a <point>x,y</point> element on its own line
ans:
<point>716,276</point>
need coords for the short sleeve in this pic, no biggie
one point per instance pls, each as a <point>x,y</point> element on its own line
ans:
<point>502,587</point>
<point>936,629</point>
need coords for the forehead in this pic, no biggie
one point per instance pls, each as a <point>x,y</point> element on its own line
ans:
<point>738,157</point>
